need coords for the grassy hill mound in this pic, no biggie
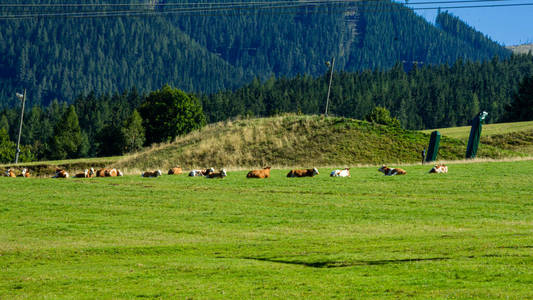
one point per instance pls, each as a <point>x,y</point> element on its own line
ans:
<point>292,140</point>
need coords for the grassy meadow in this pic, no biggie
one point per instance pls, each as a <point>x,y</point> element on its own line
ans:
<point>465,234</point>
<point>463,132</point>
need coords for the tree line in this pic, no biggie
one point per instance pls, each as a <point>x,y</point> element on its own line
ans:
<point>60,58</point>
<point>419,98</point>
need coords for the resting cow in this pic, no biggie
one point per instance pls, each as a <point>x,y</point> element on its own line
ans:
<point>303,173</point>
<point>25,173</point>
<point>151,174</point>
<point>440,168</point>
<point>60,174</point>
<point>220,174</point>
<point>340,173</point>
<point>10,173</point>
<point>391,172</point>
<point>175,171</point>
<point>263,173</point>
<point>85,174</point>
<point>101,172</point>
<point>204,172</point>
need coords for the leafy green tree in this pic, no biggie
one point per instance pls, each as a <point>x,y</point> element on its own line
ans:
<point>8,150</point>
<point>132,133</point>
<point>521,109</point>
<point>67,137</point>
<point>381,115</point>
<point>170,112</point>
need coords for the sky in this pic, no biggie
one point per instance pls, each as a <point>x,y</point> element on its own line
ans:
<point>505,25</point>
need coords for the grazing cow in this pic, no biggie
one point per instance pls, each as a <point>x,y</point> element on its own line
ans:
<point>85,174</point>
<point>25,173</point>
<point>340,173</point>
<point>220,174</point>
<point>10,173</point>
<point>204,172</point>
<point>391,172</point>
<point>440,168</point>
<point>175,171</point>
<point>60,174</point>
<point>263,173</point>
<point>151,174</point>
<point>303,173</point>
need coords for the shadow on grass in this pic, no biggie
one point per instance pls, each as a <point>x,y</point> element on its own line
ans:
<point>341,264</point>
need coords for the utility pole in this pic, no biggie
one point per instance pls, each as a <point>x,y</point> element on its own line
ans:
<point>21,97</point>
<point>330,78</point>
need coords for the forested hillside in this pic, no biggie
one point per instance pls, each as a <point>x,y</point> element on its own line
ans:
<point>424,97</point>
<point>61,58</point>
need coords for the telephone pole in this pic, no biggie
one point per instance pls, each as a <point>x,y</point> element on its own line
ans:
<point>22,97</point>
<point>330,78</point>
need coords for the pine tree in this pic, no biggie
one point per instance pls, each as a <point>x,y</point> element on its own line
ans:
<point>67,137</point>
<point>521,109</point>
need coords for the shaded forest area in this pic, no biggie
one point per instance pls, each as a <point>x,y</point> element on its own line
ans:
<point>61,58</point>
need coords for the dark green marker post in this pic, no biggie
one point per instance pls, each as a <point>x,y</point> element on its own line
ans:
<point>433,148</point>
<point>475,135</point>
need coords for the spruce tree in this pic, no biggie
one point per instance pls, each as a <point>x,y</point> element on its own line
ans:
<point>67,137</point>
<point>132,133</point>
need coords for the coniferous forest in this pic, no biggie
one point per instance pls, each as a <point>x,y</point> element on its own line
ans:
<point>96,74</point>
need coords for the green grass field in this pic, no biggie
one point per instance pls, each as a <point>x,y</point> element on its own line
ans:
<point>465,234</point>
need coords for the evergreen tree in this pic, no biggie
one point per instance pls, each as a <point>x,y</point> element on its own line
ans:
<point>67,137</point>
<point>521,109</point>
<point>170,112</point>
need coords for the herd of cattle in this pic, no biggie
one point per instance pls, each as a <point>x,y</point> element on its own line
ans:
<point>210,172</point>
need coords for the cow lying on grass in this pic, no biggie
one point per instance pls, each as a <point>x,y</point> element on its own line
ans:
<point>263,173</point>
<point>440,168</point>
<point>60,173</point>
<point>175,171</point>
<point>340,173</point>
<point>391,172</point>
<point>220,174</point>
<point>151,174</point>
<point>108,173</point>
<point>10,173</point>
<point>25,173</point>
<point>203,172</point>
<point>88,173</point>
<point>303,173</point>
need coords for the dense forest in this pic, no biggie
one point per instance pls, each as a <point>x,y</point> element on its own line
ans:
<point>423,97</point>
<point>62,58</point>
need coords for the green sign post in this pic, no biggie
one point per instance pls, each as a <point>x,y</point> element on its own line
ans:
<point>433,148</point>
<point>475,134</point>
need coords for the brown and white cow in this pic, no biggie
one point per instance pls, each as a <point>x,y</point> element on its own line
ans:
<point>60,173</point>
<point>25,173</point>
<point>303,173</point>
<point>151,174</point>
<point>391,171</point>
<point>439,168</point>
<point>340,173</point>
<point>101,172</point>
<point>10,173</point>
<point>111,173</point>
<point>175,171</point>
<point>220,174</point>
<point>263,173</point>
<point>85,174</point>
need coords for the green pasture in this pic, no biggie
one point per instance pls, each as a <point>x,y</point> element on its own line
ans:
<point>465,234</point>
<point>463,132</point>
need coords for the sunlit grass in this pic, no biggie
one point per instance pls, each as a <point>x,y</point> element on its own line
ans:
<point>465,234</point>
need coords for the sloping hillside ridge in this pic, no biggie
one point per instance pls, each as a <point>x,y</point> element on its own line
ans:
<point>294,140</point>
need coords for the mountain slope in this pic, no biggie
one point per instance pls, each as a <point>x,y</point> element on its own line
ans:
<point>64,57</point>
